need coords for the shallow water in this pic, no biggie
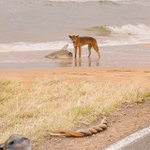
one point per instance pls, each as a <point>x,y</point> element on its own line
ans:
<point>117,56</point>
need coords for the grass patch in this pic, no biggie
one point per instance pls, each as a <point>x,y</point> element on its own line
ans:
<point>29,110</point>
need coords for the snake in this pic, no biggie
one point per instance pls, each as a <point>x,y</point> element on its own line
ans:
<point>82,132</point>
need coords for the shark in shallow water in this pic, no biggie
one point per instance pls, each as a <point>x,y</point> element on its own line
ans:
<point>63,53</point>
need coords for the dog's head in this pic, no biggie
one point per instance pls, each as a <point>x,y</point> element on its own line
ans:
<point>74,38</point>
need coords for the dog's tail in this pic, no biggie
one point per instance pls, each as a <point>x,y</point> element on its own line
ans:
<point>96,48</point>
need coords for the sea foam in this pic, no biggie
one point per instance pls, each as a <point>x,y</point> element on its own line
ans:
<point>120,35</point>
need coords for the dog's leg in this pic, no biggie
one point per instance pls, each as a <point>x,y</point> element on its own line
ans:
<point>89,48</point>
<point>75,62</point>
<point>80,52</point>
<point>98,54</point>
<point>75,48</point>
<point>80,62</point>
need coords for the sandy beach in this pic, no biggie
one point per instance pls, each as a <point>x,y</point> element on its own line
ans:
<point>140,75</point>
<point>117,64</point>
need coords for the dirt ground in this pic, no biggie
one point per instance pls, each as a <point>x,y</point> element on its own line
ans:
<point>124,121</point>
<point>121,123</point>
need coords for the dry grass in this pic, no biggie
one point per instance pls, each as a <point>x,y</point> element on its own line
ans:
<point>29,110</point>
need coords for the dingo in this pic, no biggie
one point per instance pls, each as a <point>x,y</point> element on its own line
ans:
<point>78,42</point>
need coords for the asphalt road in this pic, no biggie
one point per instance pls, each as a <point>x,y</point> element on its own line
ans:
<point>139,140</point>
<point>141,144</point>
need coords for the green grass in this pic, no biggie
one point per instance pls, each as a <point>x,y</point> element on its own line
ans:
<point>31,109</point>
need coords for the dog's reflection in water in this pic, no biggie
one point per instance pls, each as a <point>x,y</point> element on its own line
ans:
<point>89,62</point>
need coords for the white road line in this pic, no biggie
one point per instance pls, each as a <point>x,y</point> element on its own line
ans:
<point>129,139</point>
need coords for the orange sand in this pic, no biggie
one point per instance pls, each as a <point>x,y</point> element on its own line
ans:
<point>140,75</point>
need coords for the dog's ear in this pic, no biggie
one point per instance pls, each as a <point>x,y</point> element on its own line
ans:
<point>1,146</point>
<point>77,36</point>
<point>70,36</point>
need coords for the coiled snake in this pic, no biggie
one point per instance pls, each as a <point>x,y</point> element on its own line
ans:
<point>83,132</point>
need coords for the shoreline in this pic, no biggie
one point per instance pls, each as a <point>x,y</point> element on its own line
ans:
<point>132,56</point>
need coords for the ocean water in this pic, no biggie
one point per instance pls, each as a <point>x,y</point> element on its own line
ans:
<point>33,25</point>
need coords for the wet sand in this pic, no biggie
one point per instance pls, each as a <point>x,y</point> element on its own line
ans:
<point>117,64</point>
<point>129,56</point>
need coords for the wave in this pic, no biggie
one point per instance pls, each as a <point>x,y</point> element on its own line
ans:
<point>23,46</point>
<point>124,2</point>
<point>114,36</point>
<point>129,29</point>
<point>102,42</point>
<point>128,34</point>
<point>99,30</point>
<point>139,29</point>
<point>141,2</point>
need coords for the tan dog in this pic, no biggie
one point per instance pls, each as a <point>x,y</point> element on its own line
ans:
<point>16,142</point>
<point>78,42</point>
